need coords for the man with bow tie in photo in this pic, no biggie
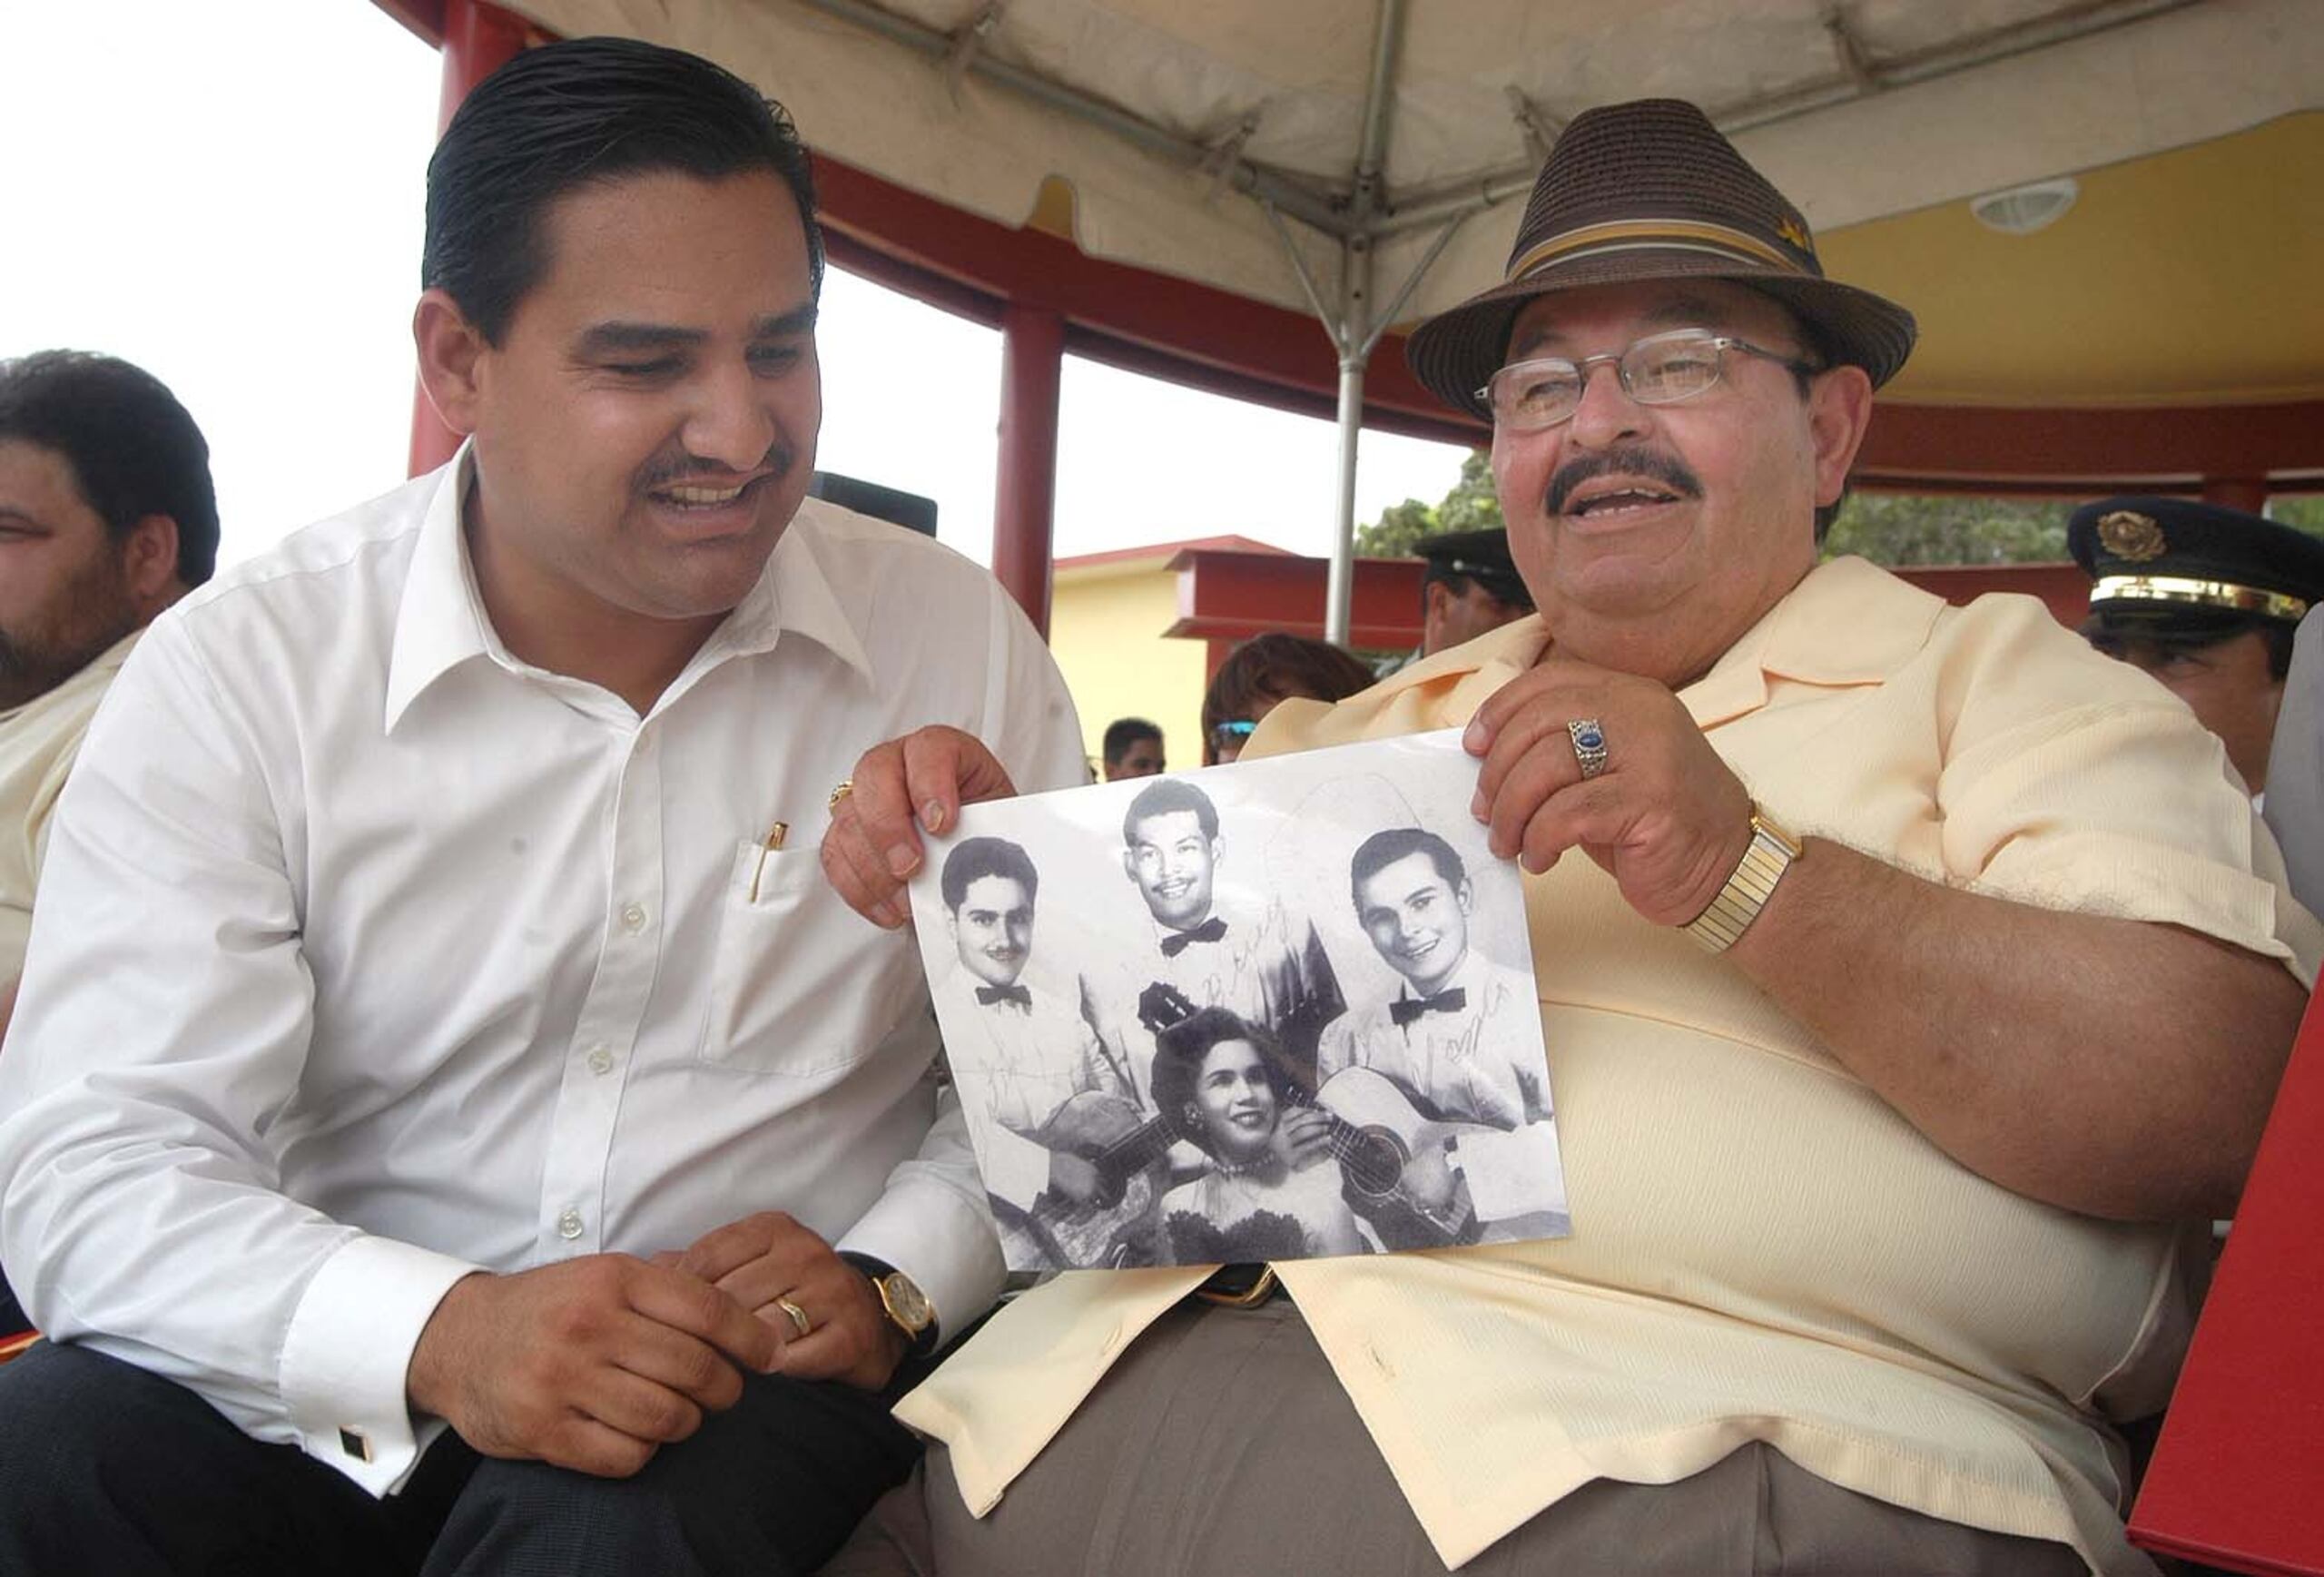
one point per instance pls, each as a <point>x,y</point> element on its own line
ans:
<point>1457,1036</point>
<point>1206,949</point>
<point>1022,1053</point>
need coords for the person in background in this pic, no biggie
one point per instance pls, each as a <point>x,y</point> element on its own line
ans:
<point>2205,598</point>
<point>1469,586</point>
<point>1133,749</point>
<point>1262,672</point>
<point>107,516</point>
<point>2295,810</point>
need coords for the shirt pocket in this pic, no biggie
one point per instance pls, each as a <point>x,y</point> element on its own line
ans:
<point>801,985</point>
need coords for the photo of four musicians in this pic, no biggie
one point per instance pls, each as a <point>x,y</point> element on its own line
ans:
<point>1194,1086</point>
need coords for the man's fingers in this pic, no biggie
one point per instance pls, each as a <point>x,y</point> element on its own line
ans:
<point>861,877</point>
<point>1523,785</point>
<point>687,1304</point>
<point>584,1444</point>
<point>687,1366</point>
<point>644,1409</point>
<point>881,807</point>
<point>946,768</point>
<point>727,1249</point>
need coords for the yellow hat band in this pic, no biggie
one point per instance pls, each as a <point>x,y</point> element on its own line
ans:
<point>2274,605</point>
<point>1632,235</point>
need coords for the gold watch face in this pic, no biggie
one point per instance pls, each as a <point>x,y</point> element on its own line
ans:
<point>906,1304</point>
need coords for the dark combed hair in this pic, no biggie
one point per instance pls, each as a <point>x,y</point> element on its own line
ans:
<point>133,449</point>
<point>1179,1053</point>
<point>1383,849</point>
<point>1278,665</point>
<point>973,859</point>
<point>1166,796</point>
<point>1124,732</point>
<point>570,114</point>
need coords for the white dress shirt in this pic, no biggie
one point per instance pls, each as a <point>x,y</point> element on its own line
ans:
<point>369,955</point>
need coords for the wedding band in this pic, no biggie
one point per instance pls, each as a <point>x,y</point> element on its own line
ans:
<point>846,787</point>
<point>1589,746</point>
<point>799,1320</point>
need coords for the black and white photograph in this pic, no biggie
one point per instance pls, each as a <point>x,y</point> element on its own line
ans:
<point>1280,1010</point>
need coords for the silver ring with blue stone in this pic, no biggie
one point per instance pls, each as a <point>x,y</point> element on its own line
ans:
<point>1589,746</point>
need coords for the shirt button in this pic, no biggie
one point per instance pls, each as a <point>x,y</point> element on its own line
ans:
<point>601,1060</point>
<point>569,1226</point>
<point>633,917</point>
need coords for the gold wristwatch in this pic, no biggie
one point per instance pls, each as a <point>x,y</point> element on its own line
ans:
<point>908,1309</point>
<point>1769,854</point>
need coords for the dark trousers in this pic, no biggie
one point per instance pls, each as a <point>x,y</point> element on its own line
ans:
<point>12,1312</point>
<point>110,1471</point>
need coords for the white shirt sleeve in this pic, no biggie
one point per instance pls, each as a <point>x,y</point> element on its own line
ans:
<point>165,1018</point>
<point>933,1222</point>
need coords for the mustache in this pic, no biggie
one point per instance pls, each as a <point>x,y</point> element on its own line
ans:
<point>1625,461</point>
<point>678,469</point>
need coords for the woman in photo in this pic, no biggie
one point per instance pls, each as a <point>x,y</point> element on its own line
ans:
<point>1274,1190</point>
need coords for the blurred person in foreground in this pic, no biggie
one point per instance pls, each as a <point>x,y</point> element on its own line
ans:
<point>1260,674</point>
<point>107,516</point>
<point>1860,924</point>
<point>450,1124</point>
<point>2206,599</point>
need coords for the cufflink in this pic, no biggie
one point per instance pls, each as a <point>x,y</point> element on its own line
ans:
<point>355,1444</point>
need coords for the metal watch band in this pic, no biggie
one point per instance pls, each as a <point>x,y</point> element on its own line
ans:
<point>1769,854</point>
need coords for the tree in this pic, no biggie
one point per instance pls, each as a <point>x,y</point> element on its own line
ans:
<point>1906,528</point>
<point>1471,505</point>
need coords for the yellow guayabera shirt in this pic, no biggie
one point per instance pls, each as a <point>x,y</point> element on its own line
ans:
<point>1762,1248</point>
<point>38,743</point>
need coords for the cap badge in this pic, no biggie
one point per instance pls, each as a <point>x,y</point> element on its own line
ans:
<point>2130,536</point>
<point>1792,231</point>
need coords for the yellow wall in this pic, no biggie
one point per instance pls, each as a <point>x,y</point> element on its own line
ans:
<point>1105,626</point>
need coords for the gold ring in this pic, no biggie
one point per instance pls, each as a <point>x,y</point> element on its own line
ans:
<point>799,1320</point>
<point>846,787</point>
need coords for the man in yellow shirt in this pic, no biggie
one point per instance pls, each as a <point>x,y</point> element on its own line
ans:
<point>107,516</point>
<point>1914,984</point>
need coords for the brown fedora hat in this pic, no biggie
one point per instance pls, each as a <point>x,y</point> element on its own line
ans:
<point>1651,191</point>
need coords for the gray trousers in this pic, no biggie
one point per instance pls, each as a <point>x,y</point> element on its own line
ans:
<point>1222,1442</point>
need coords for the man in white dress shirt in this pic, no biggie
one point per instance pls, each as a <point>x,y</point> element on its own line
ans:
<point>450,1122</point>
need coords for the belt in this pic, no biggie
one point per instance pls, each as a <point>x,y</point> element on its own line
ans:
<point>1241,1285</point>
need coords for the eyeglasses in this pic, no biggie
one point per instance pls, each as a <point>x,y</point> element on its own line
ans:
<point>1231,735</point>
<point>1659,370</point>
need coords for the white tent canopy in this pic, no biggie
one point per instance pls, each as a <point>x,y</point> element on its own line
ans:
<point>1367,159</point>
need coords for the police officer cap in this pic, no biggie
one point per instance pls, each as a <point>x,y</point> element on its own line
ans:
<point>2176,564</point>
<point>1479,555</point>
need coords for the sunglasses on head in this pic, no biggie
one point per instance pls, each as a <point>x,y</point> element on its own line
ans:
<point>1225,735</point>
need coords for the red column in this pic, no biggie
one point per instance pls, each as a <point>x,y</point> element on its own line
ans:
<point>478,39</point>
<point>2249,494</point>
<point>1032,360</point>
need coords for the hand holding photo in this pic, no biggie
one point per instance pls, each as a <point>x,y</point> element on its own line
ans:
<point>1274,1010</point>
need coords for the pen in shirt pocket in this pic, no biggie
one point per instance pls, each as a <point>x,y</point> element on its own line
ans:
<point>770,845</point>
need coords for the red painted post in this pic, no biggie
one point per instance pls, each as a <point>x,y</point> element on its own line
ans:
<point>1032,361</point>
<point>2249,494</point>
<point>478,39</point>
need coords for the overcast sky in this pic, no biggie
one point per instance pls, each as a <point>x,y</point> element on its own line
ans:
<point>229,196</point>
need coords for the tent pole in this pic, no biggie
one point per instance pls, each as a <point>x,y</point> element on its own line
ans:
<point>1353,338</point>
<point>1024,504</point>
